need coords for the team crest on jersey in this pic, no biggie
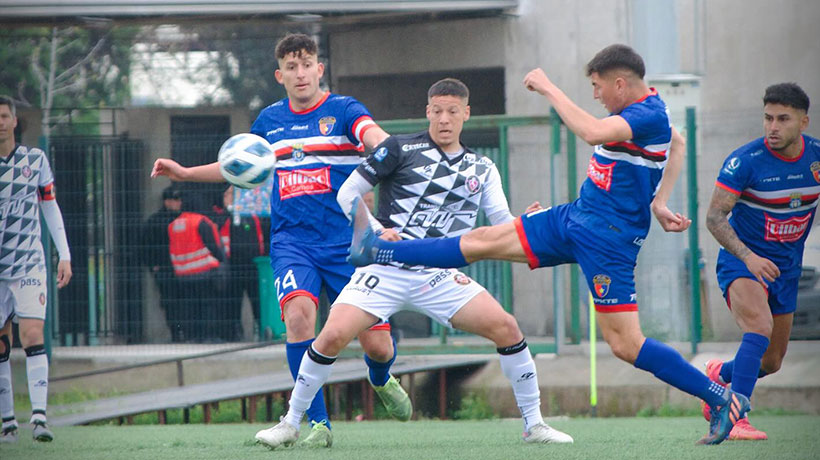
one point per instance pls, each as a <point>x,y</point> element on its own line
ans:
<point>380,154</point>
<point>326,125</point>
<point>461,278</point>
<point>297,153</point>
<point>473,184</point>
<point>795,200</point>
<point>26,171</point>
<point>815,170</point>
<point>42,298</point>
<point>601,284</point>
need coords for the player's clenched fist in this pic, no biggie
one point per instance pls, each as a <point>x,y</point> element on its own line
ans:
<point>537,81</point>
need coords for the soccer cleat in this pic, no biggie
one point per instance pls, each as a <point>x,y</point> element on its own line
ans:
<point>545,434</point>
<point>320,436</point>
<point>9,434</point>
<point>713,367</point>
<point>723,418</point>
<point>41,432</point>
<point>394,398</point>
<point>363,246</point>
<point>283,434</point>
<point>744,431</point>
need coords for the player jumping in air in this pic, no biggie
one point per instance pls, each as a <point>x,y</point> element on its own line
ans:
<point>431,186</point>
<point>629,177</point>
<point>771,187</point>
<point>319,138</point>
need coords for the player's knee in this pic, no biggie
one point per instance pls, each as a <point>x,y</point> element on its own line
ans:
<point>381,351</point>
<point>508,329</point>
<point>298,323</point>
<point>330,341</point>
<point>624,349</point>
<point>31,336</point>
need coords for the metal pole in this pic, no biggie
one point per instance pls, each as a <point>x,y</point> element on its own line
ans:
<point>51,301</point>
<point>557,284</point>
<point>694,250</point>
<point>572,194</point>
<point>593,351</point>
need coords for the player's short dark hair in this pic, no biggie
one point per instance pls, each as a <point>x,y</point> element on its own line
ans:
<point>171,193</point>
<point>788,94</point>
<point>616,57</point>
<point>297,44</point>
<point>5,100</point>
<point>449,87</point>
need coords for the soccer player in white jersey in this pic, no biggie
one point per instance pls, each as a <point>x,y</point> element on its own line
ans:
<point>431,186</point>
<point>26,190</point>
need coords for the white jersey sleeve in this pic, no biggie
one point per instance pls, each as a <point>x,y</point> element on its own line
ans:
<point>494,201</point>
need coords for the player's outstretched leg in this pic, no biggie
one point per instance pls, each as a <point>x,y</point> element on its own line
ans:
<point>724,417</point>
<point>743,430</point>
<point>319,420</point>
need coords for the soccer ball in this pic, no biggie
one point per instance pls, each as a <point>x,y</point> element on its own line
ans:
<point>246,160</point>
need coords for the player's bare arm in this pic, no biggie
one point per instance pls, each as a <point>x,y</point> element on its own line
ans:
<point>717,222</point>
<point>374,136</point>
<point>176,172</point>
<point>671,221</point>
<point>592,130</point>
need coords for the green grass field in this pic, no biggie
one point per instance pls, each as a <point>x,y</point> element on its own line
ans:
<point>791,437</point>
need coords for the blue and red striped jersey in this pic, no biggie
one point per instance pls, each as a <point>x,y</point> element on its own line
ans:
<point>316,150</point>
<point>777,200</point>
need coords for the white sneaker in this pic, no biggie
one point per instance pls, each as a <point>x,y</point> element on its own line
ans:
<point>9,434</point>
<point>544,433</point>
<point>283,434</point>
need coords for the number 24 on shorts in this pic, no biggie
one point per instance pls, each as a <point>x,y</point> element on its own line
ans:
<point>288,281</point>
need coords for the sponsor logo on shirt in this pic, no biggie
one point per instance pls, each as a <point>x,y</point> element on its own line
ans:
<point>380,154</point>
<point>786,230</point>
<point>795,200</point>
<point>303,182</point>
<point>794,176</point>
<point>409,147</point>
<point>815,170</point>
<point>274,131</point>
<point>601,284</point>
<point>298,127</point>
<point>601,175</point>
<point>297,153</point>
<point>326,125</point>
<point>732,165</point>
<point>772,179</point>
<point>29,282</point>
<point>440,276</point>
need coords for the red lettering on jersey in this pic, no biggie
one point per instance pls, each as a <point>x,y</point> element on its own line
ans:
<point>601,175</point>
<point>303,182</point>
<point>786,230</point>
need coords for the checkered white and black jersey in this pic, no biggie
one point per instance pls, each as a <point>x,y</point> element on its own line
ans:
<point>424,194</point>
<point>25,178</point>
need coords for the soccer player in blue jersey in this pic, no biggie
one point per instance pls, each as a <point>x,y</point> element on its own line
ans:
<point>771,187</point>
<point>629,177</point>
<point>319,138</point>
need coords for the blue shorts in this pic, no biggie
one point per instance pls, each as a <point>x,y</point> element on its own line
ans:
<point>782,292</point>
<point>300,270</point>
<point>607,257</point>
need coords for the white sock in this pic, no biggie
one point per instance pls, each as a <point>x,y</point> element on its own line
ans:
<point>519,369</point>
<point>37,372</point>
<point>310,379</point>
<point>6,394</point>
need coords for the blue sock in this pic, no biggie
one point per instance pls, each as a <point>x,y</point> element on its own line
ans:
<point>380,372</point>
<point>747,362</point>
<point>317,412</point>
<point>430,252</point>
<point>665,363</point>
<point>729,367</point>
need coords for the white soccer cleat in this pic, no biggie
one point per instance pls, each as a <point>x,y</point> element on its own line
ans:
<point>9,434</point>
<point>545,434</point>
<point>283,434</point>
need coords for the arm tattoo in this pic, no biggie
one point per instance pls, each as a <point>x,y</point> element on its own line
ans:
<point>718,223</point>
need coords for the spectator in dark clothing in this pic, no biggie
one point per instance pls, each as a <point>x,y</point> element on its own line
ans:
<point>198,260</point>
<point>244,238</point>
<point>155,255</point>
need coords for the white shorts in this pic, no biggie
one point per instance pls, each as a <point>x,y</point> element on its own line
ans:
<point>24,297</point>
<point>383,290</point>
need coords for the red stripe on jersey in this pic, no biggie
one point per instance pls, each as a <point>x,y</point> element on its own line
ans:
<point>632,146</point>
<point>727,188</point>
<point>311,109</point>
<point>46,192</point>
<point>784,199</point>
<point>522,237</point>
<point>320,147</point>
<point>781,157</point>
<point>356,126</point>
<point>652,92</point>
<point>616,308</point>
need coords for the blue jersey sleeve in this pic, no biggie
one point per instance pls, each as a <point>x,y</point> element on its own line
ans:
<point>648,125</point>
<point>354,111</point>
<point>258,126</point>
<point>735,173</point>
